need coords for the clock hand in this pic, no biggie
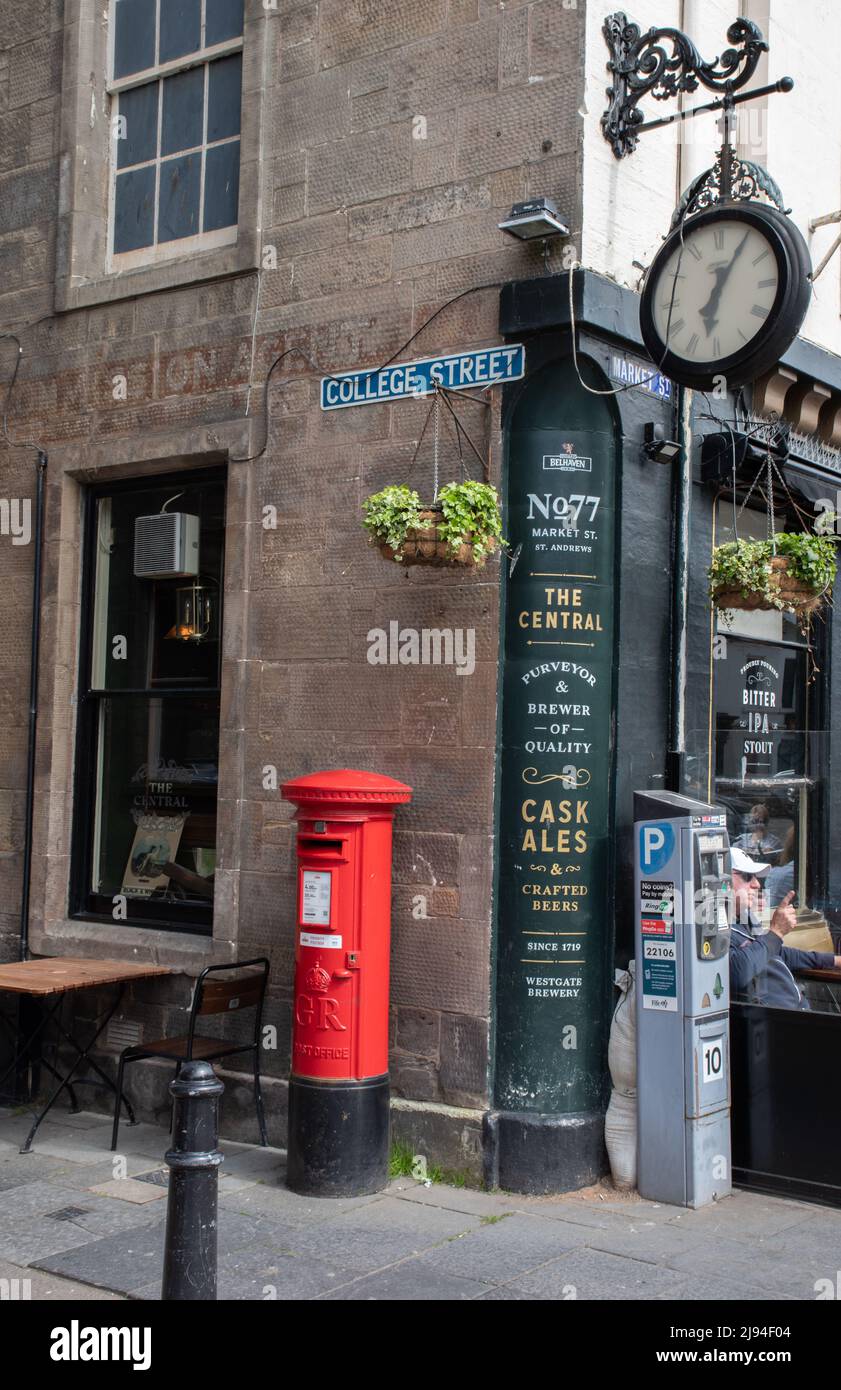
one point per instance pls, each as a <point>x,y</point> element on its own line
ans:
<point>708,313</point>
<point>721,273</point>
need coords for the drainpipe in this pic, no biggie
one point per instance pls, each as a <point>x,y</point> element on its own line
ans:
<point>34,653</point>
<point>681,504</point>
<point>682,510</point>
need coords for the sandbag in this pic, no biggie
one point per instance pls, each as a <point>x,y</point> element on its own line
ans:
<point>620,1137</point>
<point>622,1046</point>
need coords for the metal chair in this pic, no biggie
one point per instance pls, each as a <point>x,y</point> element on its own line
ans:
<point>209,997</point>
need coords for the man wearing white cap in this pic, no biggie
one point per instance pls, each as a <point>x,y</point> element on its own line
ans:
<point>760,965</point>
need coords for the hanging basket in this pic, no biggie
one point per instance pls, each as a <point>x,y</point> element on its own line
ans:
<point>423,545</point>
<point>783,591</point>
<point>460,530</point>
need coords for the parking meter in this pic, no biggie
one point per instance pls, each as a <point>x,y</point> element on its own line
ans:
<point>682,888</point>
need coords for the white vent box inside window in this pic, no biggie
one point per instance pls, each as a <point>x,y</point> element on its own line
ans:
<point>166,546</point>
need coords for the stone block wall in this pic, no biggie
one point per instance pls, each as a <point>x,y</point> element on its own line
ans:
<point>395,138</point>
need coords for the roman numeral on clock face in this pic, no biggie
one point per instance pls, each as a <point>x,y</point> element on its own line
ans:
<point>677,326</point>
<point>693,250</point>
<point>760,311</point>
<point>719,238</point>
<point>693,343</point>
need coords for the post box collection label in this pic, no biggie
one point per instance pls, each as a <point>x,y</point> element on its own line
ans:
<point>556,761</point>
<point>315,897</point>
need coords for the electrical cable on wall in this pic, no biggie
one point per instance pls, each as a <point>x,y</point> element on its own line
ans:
<point>251,458</point>
<point>14,443</point>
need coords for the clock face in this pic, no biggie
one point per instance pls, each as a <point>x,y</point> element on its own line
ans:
<point>715,292</point>
<point>726,295</point>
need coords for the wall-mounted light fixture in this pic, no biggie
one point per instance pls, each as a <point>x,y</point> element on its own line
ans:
<point>534,221</point>
<point>194,613</point>
<point>657,447</point>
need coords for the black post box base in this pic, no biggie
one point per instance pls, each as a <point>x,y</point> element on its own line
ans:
<point>338,1137</point>
<point>543,1154</point>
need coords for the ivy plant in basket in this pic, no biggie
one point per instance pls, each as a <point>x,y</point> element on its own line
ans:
<point>462,527</point>
<point>794,572</point>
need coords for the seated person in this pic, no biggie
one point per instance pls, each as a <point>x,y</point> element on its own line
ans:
<point>760,965</point>
<point>781,878</point>
<point>758,840</point>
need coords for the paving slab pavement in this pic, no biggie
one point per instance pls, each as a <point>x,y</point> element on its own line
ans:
<point>75,1217</point>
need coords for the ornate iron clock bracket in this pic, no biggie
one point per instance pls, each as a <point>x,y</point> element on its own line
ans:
<point>744,182</point>
<point>664,62</point>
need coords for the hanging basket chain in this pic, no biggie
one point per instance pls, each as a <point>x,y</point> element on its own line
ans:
<point>772,535</point>
<point>422,434</point>
<point>442,394</point>
<point>451,420</point>
<point>436,406</point>
<point>462,433</point>
<point>771,464</point>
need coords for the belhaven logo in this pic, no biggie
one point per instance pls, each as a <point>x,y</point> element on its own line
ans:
<point>77,1343</point>
<point>567,462</point>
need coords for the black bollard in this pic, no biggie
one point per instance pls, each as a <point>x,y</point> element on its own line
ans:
<point>191,1233</point>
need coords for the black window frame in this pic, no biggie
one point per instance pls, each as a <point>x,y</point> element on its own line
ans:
<point>192,919</point>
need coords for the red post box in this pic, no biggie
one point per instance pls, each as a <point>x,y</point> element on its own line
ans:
<point>338,1088</point>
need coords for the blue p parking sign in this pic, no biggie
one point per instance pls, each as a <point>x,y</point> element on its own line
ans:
<point>657,843</point>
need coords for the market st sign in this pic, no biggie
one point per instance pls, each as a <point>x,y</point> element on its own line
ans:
<point>456,372</point>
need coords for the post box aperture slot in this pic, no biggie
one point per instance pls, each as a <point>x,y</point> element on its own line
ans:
<point>322,849</point>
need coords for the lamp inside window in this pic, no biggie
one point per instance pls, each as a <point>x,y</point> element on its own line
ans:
<point>195,612</point>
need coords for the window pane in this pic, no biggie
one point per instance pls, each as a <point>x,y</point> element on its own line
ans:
<point>134,210</point>
<point>224,20</point>
<point>224,97</point>
<point>134,36</point>
<point>180,28</point>
<point>183,111</point>
<point>123,604</point>
<point>155,814</point>
<point>144,611</point>
<point>138,125</point>
<point>147,787</point>
<point>178,214</point>
<point>221,186</point>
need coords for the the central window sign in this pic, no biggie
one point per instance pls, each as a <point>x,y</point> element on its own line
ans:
<point>458,372</point>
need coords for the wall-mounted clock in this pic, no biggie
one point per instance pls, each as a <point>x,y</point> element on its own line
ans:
<point>725,295</point>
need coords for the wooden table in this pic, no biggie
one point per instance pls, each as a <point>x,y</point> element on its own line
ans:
<point>57,977</point>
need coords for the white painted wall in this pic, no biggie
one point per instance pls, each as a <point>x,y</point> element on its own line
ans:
<point>628,203</point>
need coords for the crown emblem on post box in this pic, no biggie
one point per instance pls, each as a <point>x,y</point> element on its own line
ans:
<point>317,978</point>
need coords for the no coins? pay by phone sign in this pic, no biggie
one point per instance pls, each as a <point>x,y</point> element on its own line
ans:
<point>657,924</point>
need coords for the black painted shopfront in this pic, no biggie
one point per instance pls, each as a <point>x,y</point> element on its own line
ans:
<point>589,643</point>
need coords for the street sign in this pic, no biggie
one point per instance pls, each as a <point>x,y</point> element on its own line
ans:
<point>458,371</point>
<point>640,374</point>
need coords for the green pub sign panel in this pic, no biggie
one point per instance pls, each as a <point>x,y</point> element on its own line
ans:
<point>553,937</point>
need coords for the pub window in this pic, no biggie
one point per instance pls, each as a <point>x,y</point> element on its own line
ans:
<point>771,760</point>
<point>144,849</point>
<point>176,89</point>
